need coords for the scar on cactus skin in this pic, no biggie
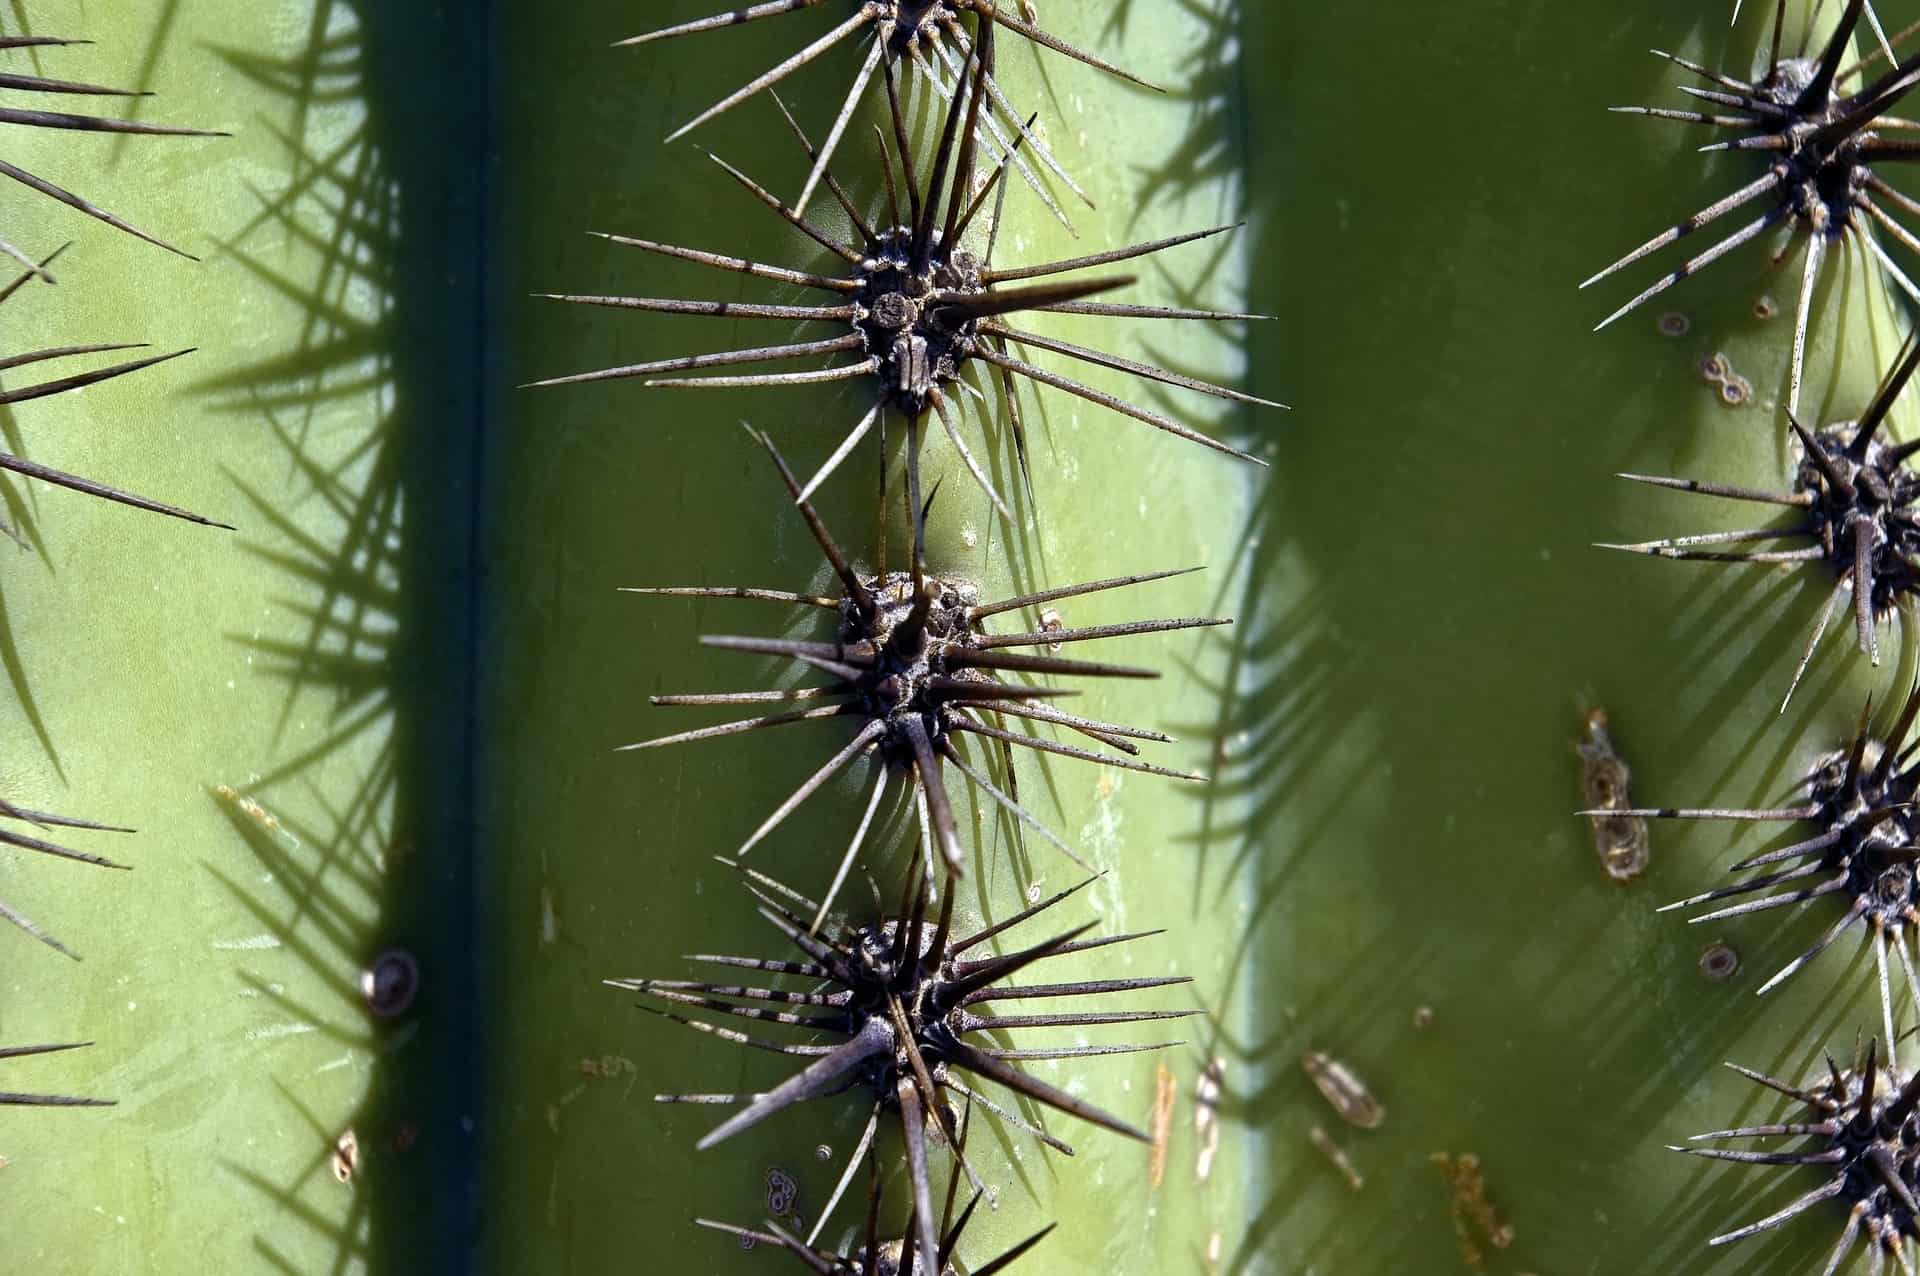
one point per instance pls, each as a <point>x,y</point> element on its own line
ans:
<point>914,668</point>
<point>901,998</point>
<point>1859,504</point>
<point>1864,1136</point>
<point>877,1257</point>
<point>10,1099</point>
<point>1859,849</point>
<point>1820,144</point>
<point>927,33</point>
<point>81,123</point>
<point>77,381</point>
<point>920,308</point>
<point>26,842</point>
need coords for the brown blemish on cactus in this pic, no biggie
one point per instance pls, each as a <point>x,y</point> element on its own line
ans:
<point>1344,1089</point>
<point>1337,1155</point>
<point>1475,1220</point>
<point>1166,1091</point>
<point>1619,840</point>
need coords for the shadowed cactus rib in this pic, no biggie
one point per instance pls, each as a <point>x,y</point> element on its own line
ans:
<point>900,998</point>
<point>921,308</point>
<point>914,669</point>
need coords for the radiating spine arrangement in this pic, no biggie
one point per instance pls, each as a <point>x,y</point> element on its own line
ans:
<point>1852,852</point>
<point>919,306</point>
<point>899,1003</point>
<point>1858,1129</point>
<point>1821,143</point>
<point>1855,499</point>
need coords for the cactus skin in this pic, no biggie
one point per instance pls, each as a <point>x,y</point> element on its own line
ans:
<point>220,980</point>
<point>1415,833</point>
<point>1381,725</point>
<point>603,486</point>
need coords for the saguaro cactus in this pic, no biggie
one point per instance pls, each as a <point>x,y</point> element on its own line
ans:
<point>351,1002</point>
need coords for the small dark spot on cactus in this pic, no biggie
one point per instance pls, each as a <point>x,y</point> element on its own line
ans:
<point>1719,962</point>
<point>1674,324</point>
<point>1765,307</point>
<point>389,984</point>
<point>1736,392</point>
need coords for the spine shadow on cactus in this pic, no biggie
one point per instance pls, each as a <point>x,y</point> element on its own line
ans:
<point>360,829</point>
<point>1406,733</point>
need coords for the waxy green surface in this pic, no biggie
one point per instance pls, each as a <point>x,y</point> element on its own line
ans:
<point>423,679</point>
<point>311,663</point>
<point>603,862</point>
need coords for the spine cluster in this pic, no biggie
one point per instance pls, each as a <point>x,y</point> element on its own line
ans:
<point>1821,127</point>
<point>891,1007</point>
